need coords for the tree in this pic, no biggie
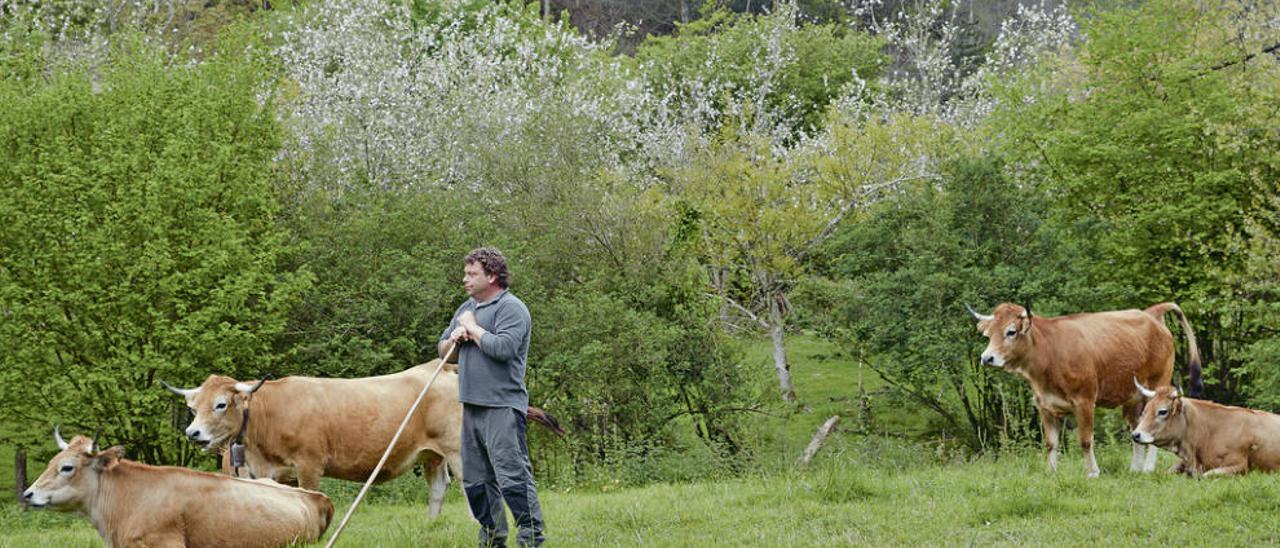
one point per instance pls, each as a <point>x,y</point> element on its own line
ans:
<point>423,132</point>
<point>139,240</point>
<point>1159,152</point>
<point>783,68</point>
<point>905,270</point>
<point>767,213</point>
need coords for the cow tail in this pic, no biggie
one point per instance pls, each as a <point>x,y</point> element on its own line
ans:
<point>1193,351</point>
<point>545,419</point>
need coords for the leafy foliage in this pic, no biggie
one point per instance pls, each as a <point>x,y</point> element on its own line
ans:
<point>772,62</point>
<point>974,237</point>
<point>177,204</point>
<point>139,241</point>
<point>1159,159</point>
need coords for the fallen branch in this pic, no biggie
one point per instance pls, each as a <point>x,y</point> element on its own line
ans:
<point>818,437</point>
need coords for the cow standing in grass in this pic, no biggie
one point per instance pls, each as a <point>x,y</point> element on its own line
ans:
<point>302,428</point>
<point>1077,362</point>
<point>133,504</point>
<point>1211,439</point>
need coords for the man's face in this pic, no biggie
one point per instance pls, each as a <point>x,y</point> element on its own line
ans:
<point>475,280</point>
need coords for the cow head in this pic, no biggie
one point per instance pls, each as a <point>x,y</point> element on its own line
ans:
<point>1008,330</point>
<point>218,406</point>
<point>72,475</point>
<point>1163,421</point>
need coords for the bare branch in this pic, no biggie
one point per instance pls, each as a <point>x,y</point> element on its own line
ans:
<point>858,201</point>
<point>742,309</point>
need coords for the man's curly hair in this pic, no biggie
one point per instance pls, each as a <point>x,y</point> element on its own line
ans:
<point>493,262</point>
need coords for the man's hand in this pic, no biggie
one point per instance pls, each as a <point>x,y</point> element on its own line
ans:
<point>467,321</point>
<point>458,335</point>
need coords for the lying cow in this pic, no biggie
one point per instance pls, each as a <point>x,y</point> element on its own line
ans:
<point>302,428</point>
<point>1211,439</point>
<point>1074,363</point>
<point>135,504</point>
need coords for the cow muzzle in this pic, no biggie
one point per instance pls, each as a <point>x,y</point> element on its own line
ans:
<point>200,438</point>
<point>992,360</point>
<point>29,499</point>
<point>1142,437</point>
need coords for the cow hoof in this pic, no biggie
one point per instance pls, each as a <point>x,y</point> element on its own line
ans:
<point>1092,474</point>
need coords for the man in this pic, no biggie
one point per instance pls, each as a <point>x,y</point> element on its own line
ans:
<point>491,331</point>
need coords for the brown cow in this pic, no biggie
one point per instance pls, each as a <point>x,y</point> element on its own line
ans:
<point>302,428</point>
<point>134,504</point>
<point>1077,362</point>
<point>1211,439</point>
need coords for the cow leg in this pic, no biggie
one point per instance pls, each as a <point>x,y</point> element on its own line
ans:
<point>1238,467</point>
<point>1136,463</point>
<point>1084,420</point>
<point>1153,453</point>
<point>1143,456</point>
<point>1051,425</point>
<point>455,468</point>
<point>438,480</point>
<point>1181,467</point>
<point>309,477</point>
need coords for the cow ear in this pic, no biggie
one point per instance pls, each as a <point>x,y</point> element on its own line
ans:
<point>108,458</point>
<point>241,397</point>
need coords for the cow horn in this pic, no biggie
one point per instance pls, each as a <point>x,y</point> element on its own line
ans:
<point>1146,392</point>
<point>1174,394</point>
<point>976,315</point>
<point>57,436</point>
<point>244,388</point>
<point>186,393</point>
<point>1026,312</point>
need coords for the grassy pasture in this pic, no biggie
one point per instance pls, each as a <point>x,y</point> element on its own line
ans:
<point>839,501</point>
<point>861,489</point>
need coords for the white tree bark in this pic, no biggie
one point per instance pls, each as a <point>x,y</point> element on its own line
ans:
<point>776,327</point>
<point>818,437</point>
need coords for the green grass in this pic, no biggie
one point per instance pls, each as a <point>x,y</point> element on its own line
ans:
<point>841,501</point>
<point>877,490</point>
<point>827,383</point>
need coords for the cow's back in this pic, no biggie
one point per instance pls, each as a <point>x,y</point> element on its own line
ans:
<point>1218,431</point>
<point>1266,450</point>
<point>207,510</point>
<point>1109,349</point>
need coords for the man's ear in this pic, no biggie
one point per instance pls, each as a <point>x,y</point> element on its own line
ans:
<point>108,458</point>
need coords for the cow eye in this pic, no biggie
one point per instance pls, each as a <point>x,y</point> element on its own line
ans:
<point>67,469</point>
<point>221,405</point>
<point>1011,333</point>
<point>1162,412</point>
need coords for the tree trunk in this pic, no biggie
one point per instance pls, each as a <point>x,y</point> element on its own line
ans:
<point>684,11</point>
<point>776,328</point>
<point>717,281</point>
<point>20,472</point>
